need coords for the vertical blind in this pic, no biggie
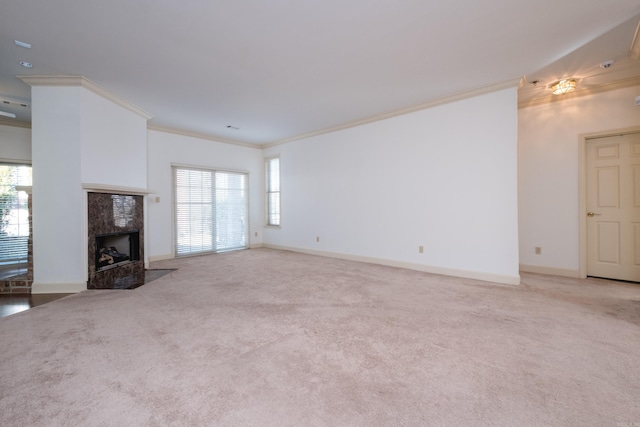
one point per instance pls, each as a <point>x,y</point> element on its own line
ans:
<point>14,215</point>
<point>211,210</point>
<point>273,191</point>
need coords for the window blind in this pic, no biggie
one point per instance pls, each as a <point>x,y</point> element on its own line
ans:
<point>14,215</point>
<point>211,211</point>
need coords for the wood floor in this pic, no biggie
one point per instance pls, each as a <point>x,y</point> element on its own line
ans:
<point>12,304</point>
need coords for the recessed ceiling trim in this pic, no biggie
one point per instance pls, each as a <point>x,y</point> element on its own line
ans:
<point>182,132</point>
<point>511,83</point>
<point>87,84</point>
<point>606,87</point>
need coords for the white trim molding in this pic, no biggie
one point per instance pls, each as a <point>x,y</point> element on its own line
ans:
<point>476,275</point>
<point>634,51</point>
<point>164,257</point>
<point>58,287</point>
<point>175,131</point>
<point>512,83</point>
<point>87,84</point>
<point>540,269</point>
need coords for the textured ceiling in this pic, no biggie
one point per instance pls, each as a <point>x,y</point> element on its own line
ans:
<point>283,68</point>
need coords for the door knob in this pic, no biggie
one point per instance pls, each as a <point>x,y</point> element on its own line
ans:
<point>590,214</point>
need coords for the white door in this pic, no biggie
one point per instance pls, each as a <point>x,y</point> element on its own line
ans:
<point>613,207</point>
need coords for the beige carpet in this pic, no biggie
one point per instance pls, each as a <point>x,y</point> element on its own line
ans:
<point>273,338</point>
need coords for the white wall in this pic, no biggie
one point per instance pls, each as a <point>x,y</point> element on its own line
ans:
<point>167,148</point>
<point>549,139</point>
<point>15,144</point>
<point>114,144</point>
<point>444,178</point>
<point>70,126</point>
<point>59,249</point>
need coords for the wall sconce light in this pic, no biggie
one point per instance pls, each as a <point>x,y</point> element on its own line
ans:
<point>563,86</point>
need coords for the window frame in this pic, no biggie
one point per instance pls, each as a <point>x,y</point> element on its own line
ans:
<point>18,262</point>
<point>174,171</point>
<point>269,192</point>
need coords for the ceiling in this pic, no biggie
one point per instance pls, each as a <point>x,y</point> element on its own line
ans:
<point>274,70</point>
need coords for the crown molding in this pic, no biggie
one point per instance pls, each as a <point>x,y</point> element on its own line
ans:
<point>15,123</point>
<point>606,87</point>
<point>74,81</point>
<point>182,132</point>
<point>634,51</point>
<point>511,83</point>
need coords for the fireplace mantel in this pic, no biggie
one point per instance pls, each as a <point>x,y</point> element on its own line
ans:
<point>26,188</point>
<point>103,188</point>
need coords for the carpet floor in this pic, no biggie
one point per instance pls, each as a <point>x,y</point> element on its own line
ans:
<point>274,338</point>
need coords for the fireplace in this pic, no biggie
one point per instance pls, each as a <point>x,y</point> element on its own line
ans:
<point>116,249</point>
<point>116,236</point>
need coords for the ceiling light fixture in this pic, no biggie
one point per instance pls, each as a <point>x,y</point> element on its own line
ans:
<point>607,64</point>
<point>5,114</point>
<point>26,64</point>
<point>232,127</point>
<point>563,86</point>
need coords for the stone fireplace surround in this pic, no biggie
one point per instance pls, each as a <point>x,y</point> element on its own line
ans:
<point>110,213</point>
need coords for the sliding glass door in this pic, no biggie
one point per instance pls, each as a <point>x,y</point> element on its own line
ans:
<point>211,210</point>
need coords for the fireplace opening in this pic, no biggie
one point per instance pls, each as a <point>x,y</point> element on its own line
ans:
<point>117,249</point>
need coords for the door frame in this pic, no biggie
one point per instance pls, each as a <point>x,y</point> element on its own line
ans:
<point>582,189</point>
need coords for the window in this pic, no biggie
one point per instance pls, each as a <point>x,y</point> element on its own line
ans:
<point>273,191</point>
<point>211,211</point>
<point>14,216</point>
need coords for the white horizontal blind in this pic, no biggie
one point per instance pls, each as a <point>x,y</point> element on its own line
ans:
<point>211,210</point>
<point>273,191</point>
<point>14,215</point>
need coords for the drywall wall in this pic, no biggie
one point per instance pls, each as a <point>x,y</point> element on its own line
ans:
<point>72,130</point>
<point>59,248</point>
<point>549,144</point>
<point>114,144</point>
<point>15,144</point>
<point>444,178</point>
<point>166,149</point>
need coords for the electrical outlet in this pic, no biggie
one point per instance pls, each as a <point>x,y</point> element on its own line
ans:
<point>420,249</point>
<point>538,250</point>
<point>317,239</point>
<point>256,234</point>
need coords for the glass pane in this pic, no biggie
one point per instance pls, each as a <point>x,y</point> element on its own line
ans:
<point>14,215</point>
<point>211,211</point>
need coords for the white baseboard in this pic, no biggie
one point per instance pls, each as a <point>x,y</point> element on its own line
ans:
<point>256,246</point>
<point>58,287</point>
<point>160,257</point>
<point>477,275</point>
<point>550,270</point>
